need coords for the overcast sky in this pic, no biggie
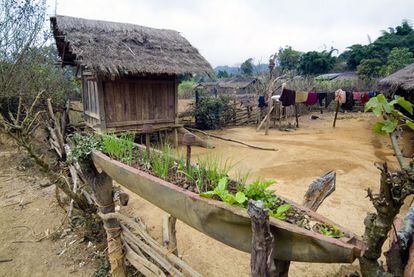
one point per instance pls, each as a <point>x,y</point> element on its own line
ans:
<point>228,32</point>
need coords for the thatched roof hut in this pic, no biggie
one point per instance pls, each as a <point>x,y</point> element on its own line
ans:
<point>118,49</point>
<point>402,80</point>
<point>129,73</point>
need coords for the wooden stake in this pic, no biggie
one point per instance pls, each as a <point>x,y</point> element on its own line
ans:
<point>147,129</point>
<point>169,233</point>
<point>269,114</point>
<point>296,116</point>
<point>103,193</point>
<point>175,138</point>
<point>336,113</point>
<point>262,240</point>
<point>188,140</point>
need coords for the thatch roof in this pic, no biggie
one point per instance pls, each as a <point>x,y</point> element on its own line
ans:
<point>117,49</point>
<point>400,80</point>
<point>337,76</point>
<point>238,82</point>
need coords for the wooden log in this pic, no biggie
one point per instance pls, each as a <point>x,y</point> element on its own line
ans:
<point>56,128</point>
<point>140,228</point>
<point>102,189</point>
<point>319,189</point>
<point>198,141</point>
<point>233,140</point>
<point>262,240</point>
<point>169,233</point>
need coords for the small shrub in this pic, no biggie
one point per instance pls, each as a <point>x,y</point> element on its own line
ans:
<point>213,112</point>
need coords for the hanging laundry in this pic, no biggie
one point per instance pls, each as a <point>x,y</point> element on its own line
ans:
<point>301,96</point>
<point>349,102</point>
<point>357,95</point>
<point>372,93</point>
<point>329,98</point>
<point>288,97</point>
<point>312,98</point>
<point>364,98</point>
<point>340,96</point>
<point>262,102</point>
<point>321,96</point>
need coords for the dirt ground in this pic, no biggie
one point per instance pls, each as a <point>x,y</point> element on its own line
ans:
<point>29,215</point>
<point>351,149</point>
<point>28,209</point>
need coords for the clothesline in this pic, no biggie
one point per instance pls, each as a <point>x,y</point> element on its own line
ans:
<point>291,97</point>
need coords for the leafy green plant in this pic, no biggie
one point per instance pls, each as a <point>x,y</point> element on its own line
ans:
<point>392,118</point>
<point>161,163</point>
<point>119,148</point>
<point>280,212</point>
<point>221,191</point>
<point>83,147</point>
<point>329,230</point>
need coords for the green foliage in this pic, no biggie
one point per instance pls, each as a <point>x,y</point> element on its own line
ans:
<point>369,68</point>
<point>185,89</point>
<point>392,117</point>
<point>400,37</point>
<point>330,231</point>
<point>222,74</point>
<point>161,163</point>
<point>247,67</point>
<point>119,148</point>
<point>398,59</point>
<point>84,145</point>
<point>211,112</point>
<point>258,191</point>
<point>288,58</point>
<point>314,62</point>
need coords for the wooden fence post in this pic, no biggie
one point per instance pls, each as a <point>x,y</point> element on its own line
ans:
<point>169,233</point>
<point>262,240</point>
<point>102,187</point>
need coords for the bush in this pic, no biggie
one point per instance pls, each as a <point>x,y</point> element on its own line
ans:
<point>185,90</point>
<point>212,113</point>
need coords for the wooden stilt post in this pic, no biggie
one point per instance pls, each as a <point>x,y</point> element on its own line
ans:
<point>262,240</point>
<point>104,197</point>
<point>147,129</point>
<point>175,138</point>
<point>169,233</point>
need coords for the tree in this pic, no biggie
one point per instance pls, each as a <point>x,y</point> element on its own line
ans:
<point>369,68</point>
<point>314,62</point>
<point>398,59</point>
<point>247,67</point>
<point>222,74</point>
<point>288,58</point>
<point>354,55</point>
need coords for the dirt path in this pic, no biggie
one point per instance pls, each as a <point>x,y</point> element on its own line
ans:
<point>351,150</point>
<point>28,212</point>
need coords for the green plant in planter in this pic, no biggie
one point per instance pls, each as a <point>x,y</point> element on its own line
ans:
<point>330,231</point>
<point>119,148</point>
<point>161,163</point>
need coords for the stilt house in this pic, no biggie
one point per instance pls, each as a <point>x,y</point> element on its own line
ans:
<point>128,72</point>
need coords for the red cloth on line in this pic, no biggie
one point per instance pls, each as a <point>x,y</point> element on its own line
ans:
<point>312,98</point>
<point>364,98</point>
<point>357,96</point>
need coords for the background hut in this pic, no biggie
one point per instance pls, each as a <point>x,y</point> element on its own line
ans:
<point>128,72</point>
<point>400,83</point>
